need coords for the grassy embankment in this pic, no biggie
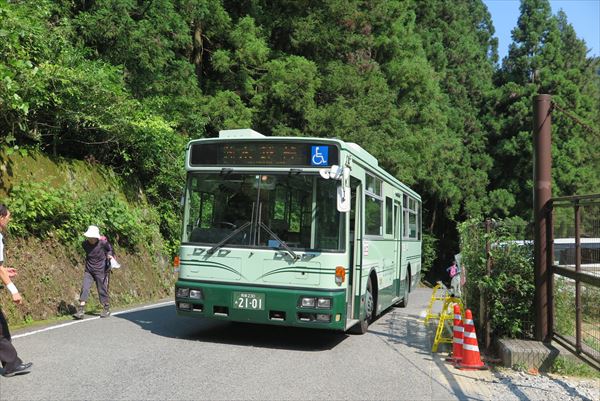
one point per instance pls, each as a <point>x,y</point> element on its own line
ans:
<point>51,269</point>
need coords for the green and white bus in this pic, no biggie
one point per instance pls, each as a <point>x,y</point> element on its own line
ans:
<point>305,232</point>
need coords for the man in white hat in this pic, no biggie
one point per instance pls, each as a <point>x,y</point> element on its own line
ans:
<point>97,250</point>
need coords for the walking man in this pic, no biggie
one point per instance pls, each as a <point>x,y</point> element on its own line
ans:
<point>97,252</point>
<point>11,362</point>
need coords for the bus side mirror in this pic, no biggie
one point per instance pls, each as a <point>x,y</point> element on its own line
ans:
<point>343,198</point>
<point>343,190</point>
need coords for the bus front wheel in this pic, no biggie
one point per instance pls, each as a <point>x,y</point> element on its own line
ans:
<point>363,325</point>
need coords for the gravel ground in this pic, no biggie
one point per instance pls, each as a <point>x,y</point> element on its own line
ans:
<point>513,385</point>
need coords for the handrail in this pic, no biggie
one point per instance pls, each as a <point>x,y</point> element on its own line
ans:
<point>575,275</point>
<point>574,198</point>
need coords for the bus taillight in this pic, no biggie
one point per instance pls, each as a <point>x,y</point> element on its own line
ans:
<point>340,275</point>
<point>176,264</point>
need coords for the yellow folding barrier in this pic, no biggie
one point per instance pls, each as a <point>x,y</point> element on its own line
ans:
<point>434,297</point>
<point>446,314</point>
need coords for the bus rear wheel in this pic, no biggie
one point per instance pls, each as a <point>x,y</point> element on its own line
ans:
<point>363,325</point>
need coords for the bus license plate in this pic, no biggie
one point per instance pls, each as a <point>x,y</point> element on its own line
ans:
<point>248,300</point>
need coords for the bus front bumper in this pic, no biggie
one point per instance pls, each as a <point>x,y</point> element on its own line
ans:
<point>319,309</point>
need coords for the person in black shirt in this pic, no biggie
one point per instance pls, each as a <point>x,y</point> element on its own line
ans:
<point>97,251</point>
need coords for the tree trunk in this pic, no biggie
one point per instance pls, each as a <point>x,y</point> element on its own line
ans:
<point>198,52</point>
<point>432,224</point>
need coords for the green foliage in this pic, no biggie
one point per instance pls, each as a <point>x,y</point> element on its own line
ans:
<point>546,57</point>
<point>564,311</point>
<point>59,213</point>
<point>79,107</point>
<point>36,210</point>
<point>590,299</point>
<point>416,83</point>
<point>429,252</point>
<point>566,366</point>
<point>458,42</point>
<point>564,306</point>
<point>520,367</point>
<point>288,90</point>
<point>509,288</point>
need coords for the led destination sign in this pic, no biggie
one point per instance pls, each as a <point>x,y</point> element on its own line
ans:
<point>264,154</point>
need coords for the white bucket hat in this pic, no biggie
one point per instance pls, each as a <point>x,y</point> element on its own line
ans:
<point>92,232</point>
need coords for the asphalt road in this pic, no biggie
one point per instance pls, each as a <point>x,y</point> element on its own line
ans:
<point>151,354</point>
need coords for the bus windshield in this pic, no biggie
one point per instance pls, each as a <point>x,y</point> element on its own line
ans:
<point>262,211</point>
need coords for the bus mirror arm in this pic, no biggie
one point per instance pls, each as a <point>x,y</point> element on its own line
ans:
<point>335,173</point>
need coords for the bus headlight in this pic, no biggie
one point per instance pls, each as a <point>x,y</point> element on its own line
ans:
<point>324,303</point>
<point>307,302</point>
<point>183,292</point>
<point>196,294</point>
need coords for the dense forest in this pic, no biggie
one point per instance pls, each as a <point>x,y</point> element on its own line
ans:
<point>417,83</point>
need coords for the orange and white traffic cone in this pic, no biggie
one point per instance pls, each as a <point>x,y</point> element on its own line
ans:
<point>457,338</point>
<point>471,359</point>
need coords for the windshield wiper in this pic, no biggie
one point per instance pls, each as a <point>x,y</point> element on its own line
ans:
<point>285,246</point>
<point>230,236</point>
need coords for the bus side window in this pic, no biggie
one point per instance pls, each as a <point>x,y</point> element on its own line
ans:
<point>412,218</point>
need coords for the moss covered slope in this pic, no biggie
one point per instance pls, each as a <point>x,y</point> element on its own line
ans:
<point>52,202</point>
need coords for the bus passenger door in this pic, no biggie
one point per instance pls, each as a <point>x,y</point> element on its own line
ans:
<point>355,241</point>
<point>398,244</point>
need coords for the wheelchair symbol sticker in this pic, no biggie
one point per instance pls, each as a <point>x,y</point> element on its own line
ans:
<point>319,155</point>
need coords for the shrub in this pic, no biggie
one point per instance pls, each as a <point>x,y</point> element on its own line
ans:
<point>44,212</point>
<point>429,252</point>
<point>509,289</point>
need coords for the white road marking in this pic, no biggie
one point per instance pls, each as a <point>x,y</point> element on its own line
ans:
<point>89,319</point>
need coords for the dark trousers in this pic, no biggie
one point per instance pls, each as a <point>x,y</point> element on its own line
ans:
<point>101,279</point>
<point>8,353</point>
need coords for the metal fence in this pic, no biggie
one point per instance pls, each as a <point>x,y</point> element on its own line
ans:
<point>574,261</point>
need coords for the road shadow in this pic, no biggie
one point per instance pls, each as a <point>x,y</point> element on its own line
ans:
<point>407,329</point>
<point>572,391</point>
<point>164,322</point>
<point>518,388</point>
<point>398,327</point>
<point>451,373</point>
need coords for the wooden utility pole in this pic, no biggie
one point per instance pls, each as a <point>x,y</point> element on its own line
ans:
<point>542,193</point>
